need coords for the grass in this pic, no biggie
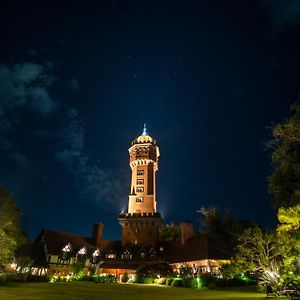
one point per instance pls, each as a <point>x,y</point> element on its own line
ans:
<point>90,291</point>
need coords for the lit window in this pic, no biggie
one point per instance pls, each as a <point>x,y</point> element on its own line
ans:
<point>67,248</point>
<point>95,257</point>
<point>140,199</point>
<point>139,190</point>
<point>127,255</point>
<point>143,255</point>
<point>140,181</point>
<point>66,251</point>
<point>82,251</point>
<point>111,255</point>
<point>140,172</point>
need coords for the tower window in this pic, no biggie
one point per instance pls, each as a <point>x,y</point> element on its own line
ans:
<point>139,190</point>
<point>140,172</point>
<point>139,199</point>
<point>140,181</point>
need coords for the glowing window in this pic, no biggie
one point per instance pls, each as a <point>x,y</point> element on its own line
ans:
<point>82,251</point>
<point>139,190</point>
<point>140,181</point>
<point>111,255</point>
<point>139,199</point>
<point>140,172</point>
<point>67,248</point>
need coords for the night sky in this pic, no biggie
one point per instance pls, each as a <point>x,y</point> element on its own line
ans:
<point>78,80</point>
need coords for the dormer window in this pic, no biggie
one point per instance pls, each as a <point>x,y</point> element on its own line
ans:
<point>66,251</point>
<point>81,254</point>
<point>95,256</point>
<point>82,251</point>
<point>127,255</point>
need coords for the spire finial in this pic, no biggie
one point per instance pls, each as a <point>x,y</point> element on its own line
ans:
<point>145,130</point>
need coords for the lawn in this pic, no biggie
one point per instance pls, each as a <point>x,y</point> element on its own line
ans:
<point>90,290</point>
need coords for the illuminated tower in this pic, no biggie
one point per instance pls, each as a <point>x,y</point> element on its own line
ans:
<point>141,223</point>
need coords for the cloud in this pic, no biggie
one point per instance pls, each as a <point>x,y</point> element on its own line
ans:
<point>101,186</point>
<point>283,13</point>
<point>40,101</point>
<point>22,86</point>
<point>20,159</point>
<point>26,88</point>
<point>74,85</point>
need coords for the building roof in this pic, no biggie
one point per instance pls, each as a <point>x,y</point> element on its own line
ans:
<point>199,247</point>
<point>56,240</point>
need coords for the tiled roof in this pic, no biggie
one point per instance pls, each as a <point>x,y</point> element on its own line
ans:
<point>56,240</point>
<point>199,247</point>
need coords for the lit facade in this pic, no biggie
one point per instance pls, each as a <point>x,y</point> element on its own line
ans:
<point>141,223</point>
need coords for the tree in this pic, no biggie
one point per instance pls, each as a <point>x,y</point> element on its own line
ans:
<point>11,234</point>
<point>288,232</point>
<point>170,232</point>
<point>284,182</point>
<point>226,227</point>
<point>258,253</point>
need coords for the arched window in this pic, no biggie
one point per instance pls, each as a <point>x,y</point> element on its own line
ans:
<point>65,251</point>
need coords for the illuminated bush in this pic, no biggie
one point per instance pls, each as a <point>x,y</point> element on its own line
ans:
<point>169,281</point>
<point>148,280</point>
<point>162,280</point>
<point>177,282</point>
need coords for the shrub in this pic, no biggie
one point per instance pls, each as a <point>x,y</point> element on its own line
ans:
<point>177,282</point>
<point>125,277</point>
<point>154,270</point>
<point>169,281</point>
<point>105,279</point>
<point>162,280</point>
<point>194,282</point>
<point>136,279</point>
<point>148,280</point>
<point>5,277</point>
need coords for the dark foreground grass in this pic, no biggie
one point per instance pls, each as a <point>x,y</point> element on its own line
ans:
<point>90,290</point>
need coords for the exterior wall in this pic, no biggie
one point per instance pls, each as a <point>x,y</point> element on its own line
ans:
<point>140,231</point>
<point>143,157</point>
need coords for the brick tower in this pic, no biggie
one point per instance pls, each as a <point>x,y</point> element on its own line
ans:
<point>141,223</point>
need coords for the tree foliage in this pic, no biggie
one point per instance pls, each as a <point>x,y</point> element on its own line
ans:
<point>226,228</point>
<point>170,232</point>
<point>288,232</point>
<point>284,182</point>
<point>11,234</point>
<point>258,252</point>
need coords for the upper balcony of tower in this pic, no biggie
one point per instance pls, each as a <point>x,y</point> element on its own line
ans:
<point>144,138</point>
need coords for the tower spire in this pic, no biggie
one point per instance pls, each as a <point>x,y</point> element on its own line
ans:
<point>145,130</point>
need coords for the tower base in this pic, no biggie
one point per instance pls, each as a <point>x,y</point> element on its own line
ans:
<point>140,229</point>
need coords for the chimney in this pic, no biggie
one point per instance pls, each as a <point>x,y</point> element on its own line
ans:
<point>97,233</point>
<point>187,231</point>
